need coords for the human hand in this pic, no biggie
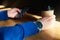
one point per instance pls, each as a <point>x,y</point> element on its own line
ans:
<point>48,22</point>
<point>13,12</point>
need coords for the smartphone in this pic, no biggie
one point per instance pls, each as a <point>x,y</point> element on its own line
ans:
<point>22,12</point>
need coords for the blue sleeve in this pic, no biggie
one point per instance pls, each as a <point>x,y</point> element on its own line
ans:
<point>18,32</point>
<point>3,15</point>
<point>29,29</point>
<point>12,33</point>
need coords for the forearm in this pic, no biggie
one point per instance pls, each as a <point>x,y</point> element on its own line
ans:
<point>19,31</point>
<point>12,32</point>
<point>30,28</point>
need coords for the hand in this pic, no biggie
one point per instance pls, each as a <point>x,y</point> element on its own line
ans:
<point>48,22</point>
<point>13,12</point>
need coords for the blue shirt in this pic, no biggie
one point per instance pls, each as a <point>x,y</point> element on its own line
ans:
<point>18,31</point>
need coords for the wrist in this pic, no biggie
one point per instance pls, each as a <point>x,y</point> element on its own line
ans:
<point>8,12</point>
<point>39,25</point>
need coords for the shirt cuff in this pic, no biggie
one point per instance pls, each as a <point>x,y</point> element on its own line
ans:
<point>3,15</point>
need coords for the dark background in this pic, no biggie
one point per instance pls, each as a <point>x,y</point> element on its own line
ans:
<point>35,5</point>
<point>32,4</point>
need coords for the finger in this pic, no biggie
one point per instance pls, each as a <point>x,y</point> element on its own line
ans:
<point>51,17</point>
<point>15,14</point>
<point>19,10</point>
<point>16,9</point>
<point>47,18</point>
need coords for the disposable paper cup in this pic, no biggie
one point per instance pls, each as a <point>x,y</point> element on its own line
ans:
<point>47,13</point>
